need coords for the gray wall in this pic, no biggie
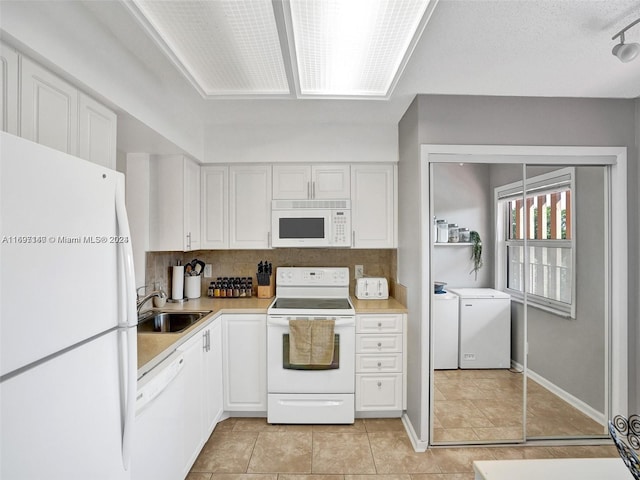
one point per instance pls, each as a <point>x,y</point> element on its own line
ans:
<point>410,257</point>
<point>462,195</point>
<point>468,120</point>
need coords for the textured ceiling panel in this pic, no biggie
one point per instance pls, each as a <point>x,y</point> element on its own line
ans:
<point>352,47</point>
<point>226,46</point>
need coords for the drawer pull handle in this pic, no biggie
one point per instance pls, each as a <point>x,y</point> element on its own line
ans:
<point>379,364</point>
<point>379,324</point>
<point>379,384</point>
<point>379,344</point>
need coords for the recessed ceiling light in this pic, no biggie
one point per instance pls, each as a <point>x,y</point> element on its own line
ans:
<point>353,47</point>
<point>335,48</point>
<point>225,47</point>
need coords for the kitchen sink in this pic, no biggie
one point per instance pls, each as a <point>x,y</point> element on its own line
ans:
<point>168,322</point>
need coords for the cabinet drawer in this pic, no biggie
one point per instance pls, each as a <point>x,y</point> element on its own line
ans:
<point>378,343</point>
<point>380,363</point>
<point>379,392</point>
<point>379,324</point>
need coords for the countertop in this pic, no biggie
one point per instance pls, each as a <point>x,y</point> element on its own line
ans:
<point>154,347</point>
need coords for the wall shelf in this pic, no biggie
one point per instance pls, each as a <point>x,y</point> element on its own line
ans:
<point>459,244</point>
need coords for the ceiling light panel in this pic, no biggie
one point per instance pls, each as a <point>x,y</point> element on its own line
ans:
<point>227,47</point>
<point>352,47</point>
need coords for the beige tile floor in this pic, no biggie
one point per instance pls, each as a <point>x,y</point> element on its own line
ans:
<point>481,405</point>
<point>372,449</point>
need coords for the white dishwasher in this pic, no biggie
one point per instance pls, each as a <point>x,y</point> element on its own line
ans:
<point>445,331</point>
<point>485,328</point>
<point>157,451</point>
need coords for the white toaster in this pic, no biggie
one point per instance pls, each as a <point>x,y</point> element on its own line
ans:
<point>372,288</point>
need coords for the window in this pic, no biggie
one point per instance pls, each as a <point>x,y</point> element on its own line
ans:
<point>536,231</point>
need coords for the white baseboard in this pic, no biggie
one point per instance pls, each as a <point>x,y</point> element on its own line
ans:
<point>575,402</point>
<point>418,445</point>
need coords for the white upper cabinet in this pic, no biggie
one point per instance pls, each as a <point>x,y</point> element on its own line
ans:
<point>293,182</point>
<point>49,109</point>
<point>249,206</point>
<point>43,108</point>
<point>215,207</point>
<point>8,89</point>
<point>174,204</point>
<point>97,133</point>
<point>373,206</point>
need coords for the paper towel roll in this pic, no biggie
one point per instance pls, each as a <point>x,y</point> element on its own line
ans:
<point>177,283</point>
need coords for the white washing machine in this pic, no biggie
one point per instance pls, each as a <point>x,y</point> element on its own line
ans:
<point>445,331</point>
<point>485,328</point>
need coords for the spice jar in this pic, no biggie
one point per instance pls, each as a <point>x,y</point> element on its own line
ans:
<point>453,233</point>
<point>443,231</point>
<point>464,235</point>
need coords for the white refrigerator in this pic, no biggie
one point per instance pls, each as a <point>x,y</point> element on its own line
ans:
<point>68,353</point>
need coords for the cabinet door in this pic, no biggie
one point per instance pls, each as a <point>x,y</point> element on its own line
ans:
<point>191,205</point>
<point>291,182</point>
<point>379,392</point>
<point>249,206</point>
<point>97,133</point>
<point>213,399</point>
<point>174,203</point>
<point>8,89</point>
<point>49,109</point>
<point>244,343</point>
<point>372,206</point>
<point>330,182</point>
<point>192,400</point>
<point>215,207</point>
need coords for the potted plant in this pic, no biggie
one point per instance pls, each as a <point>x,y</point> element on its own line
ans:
<point>476,252</point>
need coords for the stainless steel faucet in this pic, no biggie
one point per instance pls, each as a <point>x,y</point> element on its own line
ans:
<point>141,301</point>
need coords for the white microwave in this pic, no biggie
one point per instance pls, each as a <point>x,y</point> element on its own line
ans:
<point>311,223</point>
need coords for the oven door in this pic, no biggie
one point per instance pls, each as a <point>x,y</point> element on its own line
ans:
<point>282,377</point>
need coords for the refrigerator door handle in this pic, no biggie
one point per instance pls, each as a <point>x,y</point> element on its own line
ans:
<point>129,320</point>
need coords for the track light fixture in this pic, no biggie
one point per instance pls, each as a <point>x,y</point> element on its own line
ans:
<point>626,51</point>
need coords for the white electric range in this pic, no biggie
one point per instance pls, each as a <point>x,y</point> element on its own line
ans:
<point>314,393</point>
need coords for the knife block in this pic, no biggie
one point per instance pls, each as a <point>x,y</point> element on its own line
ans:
<point>267,291</point>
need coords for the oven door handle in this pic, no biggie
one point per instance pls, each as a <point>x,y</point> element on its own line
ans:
<point>283,321</point>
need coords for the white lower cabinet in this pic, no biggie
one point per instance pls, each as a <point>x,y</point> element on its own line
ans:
<point>380,365</point>
<point>244,347</point>
<point>192,402</point>
<point>212,377</point>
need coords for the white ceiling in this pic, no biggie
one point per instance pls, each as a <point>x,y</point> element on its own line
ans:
<point>545,48</point>
<point>548,48</point>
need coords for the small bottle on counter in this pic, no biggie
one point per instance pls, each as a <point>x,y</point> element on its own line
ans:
<point>250,287</point>
<point>223,288</point>
<point>211,289</point>
<point>230,288</point>
<point>236,287</point>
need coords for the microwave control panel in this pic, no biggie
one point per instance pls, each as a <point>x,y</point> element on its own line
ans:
<point>341,228</point>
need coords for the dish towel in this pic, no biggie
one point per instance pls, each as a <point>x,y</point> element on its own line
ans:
<point>311,342</point>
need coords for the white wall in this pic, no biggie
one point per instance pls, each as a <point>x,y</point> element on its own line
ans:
<point>301,143</point>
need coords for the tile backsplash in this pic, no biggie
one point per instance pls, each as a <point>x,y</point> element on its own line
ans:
<point>243,263</point>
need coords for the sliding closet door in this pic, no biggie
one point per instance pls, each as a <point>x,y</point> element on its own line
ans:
<point>471,404</point>
<point>560,244</point>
